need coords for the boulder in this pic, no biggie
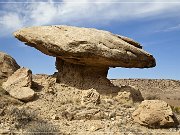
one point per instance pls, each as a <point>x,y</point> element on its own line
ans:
<point>154,114</point>
<point>22,93</point>
<point>8,65</point>
<point>128,95</point>
<point>18,84</point>
<point>21,78</point>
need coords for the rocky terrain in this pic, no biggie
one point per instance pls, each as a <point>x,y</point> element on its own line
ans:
<point>79,98</point>
<point>165,89</point>
<point>62,109</point>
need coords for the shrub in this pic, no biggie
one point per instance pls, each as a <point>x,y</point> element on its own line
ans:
<point>152,97</point>
<point>22,116</point>
<point>176,109</point>
<point>43,128</point>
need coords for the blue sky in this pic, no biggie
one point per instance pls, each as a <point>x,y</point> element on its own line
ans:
<point>153,23</point>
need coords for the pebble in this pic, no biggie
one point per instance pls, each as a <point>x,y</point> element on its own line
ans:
<point>55,117</point>
<point>4,131</point>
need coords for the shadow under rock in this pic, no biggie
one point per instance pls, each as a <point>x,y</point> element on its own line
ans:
<point>36,87</point>
<point>104,87</point>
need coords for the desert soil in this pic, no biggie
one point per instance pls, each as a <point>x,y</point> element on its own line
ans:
<point>57,108</point>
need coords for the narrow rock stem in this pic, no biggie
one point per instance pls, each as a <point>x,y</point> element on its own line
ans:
<point>83,76</point>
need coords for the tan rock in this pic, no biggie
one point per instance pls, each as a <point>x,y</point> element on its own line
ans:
<point>154,113</point>
<point>96,127</point>
<point>22,93</point>
<point>5,131</point>
<point>55,117</point>
<point>124,98</point>
<point>128,95</point>
<point>8,65</point>
<point>86,114</point>
<point>18,84</point>
<point>21,78</point>
<point>84,55</point>
<point>90,97</point>
<point>86,46</point>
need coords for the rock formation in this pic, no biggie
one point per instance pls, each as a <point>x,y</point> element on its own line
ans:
<point>90,97</point>
<point>129,94</point>
<point>18,84</point>
<point>154,113</point>
<point>7,65</point>
<point>84,55</point>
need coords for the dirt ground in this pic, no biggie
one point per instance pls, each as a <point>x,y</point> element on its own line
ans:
<point>58,109</point>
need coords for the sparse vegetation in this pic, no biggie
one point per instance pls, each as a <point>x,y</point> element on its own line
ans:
<point>43,128</point>
<point>152,97</point>
<point>176,109</point>
<point>22,116</point>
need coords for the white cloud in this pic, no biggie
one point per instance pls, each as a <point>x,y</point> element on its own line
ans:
<point>168,29</point>
<point>79,12</point>
<point>43,14</point>
<point>9,22</point>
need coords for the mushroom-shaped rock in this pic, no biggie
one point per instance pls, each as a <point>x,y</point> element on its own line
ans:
<point>84,55</point>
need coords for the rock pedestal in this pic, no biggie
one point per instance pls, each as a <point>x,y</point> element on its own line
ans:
<point>83,76</point>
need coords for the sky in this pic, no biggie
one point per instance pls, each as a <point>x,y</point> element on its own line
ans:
<point>153,23</point>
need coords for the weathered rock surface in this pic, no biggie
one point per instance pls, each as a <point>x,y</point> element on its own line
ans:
<point>124,98</point>
<point>64,110</point>
<point>84,77</point>
<point>22,93</point>
<point>84,55</point>
<point>129,93</point>
<point>18,84</point>
<point>154,113</point>
<point>21,78</point>
<point>86,46</point>
<point>90,97</point>
<point>8,65</point>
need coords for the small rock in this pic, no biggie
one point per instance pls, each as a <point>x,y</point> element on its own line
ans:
<point>96,127</point>
<point>23,93</point>
<point>4,131</point>
<point>112,119</point>
<point>55,117</point>
<point>86,114</point>
<point>67,115</point>
<point>90,97</point>
<point>1,112</point>
<point>110,101</point>
<point>112,114</point>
